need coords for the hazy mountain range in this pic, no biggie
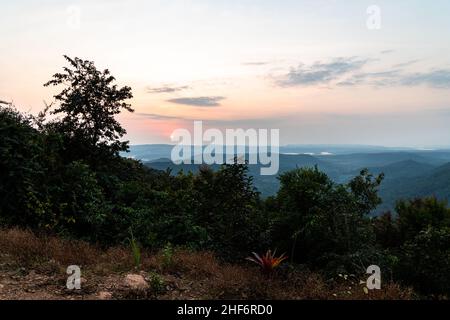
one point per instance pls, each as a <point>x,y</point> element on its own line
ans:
<point>408,172</point>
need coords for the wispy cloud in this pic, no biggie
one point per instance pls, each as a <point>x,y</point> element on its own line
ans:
<point>435,79</point>
<point>351,71</point>
<point>255,63</point>
<point>405,64</point>
<point>243,122</point>
<point>376,79</point>
<point>213,101</point>
<point>155,116</point>
<point>439,79</point>
<point>320,72</point>
<point>166,89</point>
<point>387,51</point>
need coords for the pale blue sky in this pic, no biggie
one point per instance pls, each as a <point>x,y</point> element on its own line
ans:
<point>311,68</point>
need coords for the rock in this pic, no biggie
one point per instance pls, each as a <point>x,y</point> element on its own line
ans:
<point>104,295</point>
<point>135,281</point>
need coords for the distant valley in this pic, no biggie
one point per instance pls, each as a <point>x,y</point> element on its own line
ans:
<point>408,172</point>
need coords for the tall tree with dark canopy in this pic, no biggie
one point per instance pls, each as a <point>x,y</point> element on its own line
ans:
<point>88,103</point>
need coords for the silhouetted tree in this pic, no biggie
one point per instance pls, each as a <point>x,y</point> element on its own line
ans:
<point>88,103</point>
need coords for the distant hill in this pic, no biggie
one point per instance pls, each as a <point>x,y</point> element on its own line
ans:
<point>408,173</point>
<point>403,169</point>
<point>359,160</point>
<point>435,182</point>
<point>149,152</point>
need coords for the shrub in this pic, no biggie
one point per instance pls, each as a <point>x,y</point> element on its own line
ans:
<point>320,222</point>
<point>157,283</point>
<point>425,261</point>
<point>167,254</point>
<point>418,214</point>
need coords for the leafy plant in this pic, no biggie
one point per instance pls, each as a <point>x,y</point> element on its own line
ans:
<point>267,262</point>
<point>167,253</point>
<point>157,283</point>
<point>136,250</point>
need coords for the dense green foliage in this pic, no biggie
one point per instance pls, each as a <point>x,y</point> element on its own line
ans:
<point>418,243</point>
<point>65,176</point>
<point>323,223</point>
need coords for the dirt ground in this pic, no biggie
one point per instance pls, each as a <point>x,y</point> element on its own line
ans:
<point>34,267</point>
<point>22,284</point>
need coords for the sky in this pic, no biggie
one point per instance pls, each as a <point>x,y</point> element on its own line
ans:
<point>321,71</point>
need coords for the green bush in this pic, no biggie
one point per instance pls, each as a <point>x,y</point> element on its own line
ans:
<point>416,241</point>
<point>425,261</point>
<point>320,222</point>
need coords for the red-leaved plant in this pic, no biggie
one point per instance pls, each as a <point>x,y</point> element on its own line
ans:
<point>267,262</point>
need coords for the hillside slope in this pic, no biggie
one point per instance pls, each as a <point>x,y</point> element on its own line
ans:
<point>436,182</point>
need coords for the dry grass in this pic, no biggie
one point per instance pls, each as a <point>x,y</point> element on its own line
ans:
<point>189,275</point>
<point>26,249</point>
<point>237,282</point>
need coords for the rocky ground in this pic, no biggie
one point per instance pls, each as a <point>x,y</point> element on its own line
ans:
<point>29,285</point>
